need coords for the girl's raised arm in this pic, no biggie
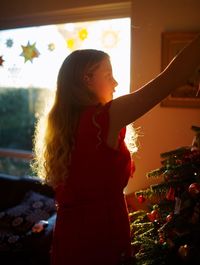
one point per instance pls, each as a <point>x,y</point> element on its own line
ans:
<point>128,108</point>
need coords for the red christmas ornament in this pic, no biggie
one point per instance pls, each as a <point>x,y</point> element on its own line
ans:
<point>171,194</point>
<point>153,215</point>
<point>141,198</point>
<point>169,217</point>
<point>194,189</point>
<point>161,240</point>
<point>150,217</point>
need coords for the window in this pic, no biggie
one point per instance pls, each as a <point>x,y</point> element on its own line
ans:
<point>30,58</point>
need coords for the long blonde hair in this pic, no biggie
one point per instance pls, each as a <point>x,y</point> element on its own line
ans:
<point>54,133</point>
<point>52,150</point>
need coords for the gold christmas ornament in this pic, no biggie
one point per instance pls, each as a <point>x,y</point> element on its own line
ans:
<point>183,251</point>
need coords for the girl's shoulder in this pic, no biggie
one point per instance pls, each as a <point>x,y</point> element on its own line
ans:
<point>98,113</point>
<point>94,119</point>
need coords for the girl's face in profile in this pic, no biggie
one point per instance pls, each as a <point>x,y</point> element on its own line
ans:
<point>102,83</point>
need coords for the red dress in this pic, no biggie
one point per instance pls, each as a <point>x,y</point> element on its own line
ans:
<point>92,226</point>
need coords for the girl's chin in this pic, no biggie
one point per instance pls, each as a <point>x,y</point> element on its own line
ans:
<point>106,100</point>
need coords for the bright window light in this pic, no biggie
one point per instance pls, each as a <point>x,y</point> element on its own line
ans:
<point>32,56</point>
<point>30,59</point>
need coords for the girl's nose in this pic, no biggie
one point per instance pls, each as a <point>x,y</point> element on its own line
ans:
<point>115,82</point>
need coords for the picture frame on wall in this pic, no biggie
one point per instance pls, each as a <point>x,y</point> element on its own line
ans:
<point>187,96</point>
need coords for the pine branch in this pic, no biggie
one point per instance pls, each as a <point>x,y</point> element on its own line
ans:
<point>178,151</point>
<point>156,173</point>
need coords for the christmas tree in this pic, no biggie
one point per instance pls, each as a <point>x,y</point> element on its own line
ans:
<point>169,231</point>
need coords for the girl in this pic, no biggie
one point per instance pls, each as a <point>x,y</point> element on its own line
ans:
<point>84,156</point>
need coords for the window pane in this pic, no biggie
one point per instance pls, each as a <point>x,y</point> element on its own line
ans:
<point>30,59</point>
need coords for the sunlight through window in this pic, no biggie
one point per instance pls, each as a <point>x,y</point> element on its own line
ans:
<point>31,57</point>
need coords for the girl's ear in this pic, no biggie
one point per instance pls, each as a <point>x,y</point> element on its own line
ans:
<point>87,80</point>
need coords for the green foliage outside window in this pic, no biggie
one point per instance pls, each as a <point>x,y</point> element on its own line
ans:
<point>19,109</point>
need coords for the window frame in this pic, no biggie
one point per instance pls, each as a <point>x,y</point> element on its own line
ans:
<point>76,14</point>
<point>69,15</point>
